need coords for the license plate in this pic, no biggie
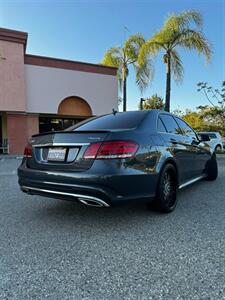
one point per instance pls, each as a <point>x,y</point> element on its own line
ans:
<point>56,154</point>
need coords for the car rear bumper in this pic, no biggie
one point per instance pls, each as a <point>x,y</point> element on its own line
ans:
<point>83,198</point>
<point>88,188</point>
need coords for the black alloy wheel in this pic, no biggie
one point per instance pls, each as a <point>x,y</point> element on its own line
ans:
<point>166,196</point>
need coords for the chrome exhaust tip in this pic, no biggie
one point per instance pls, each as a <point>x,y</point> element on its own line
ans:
<point>85,199</point>
<point>25,190</point>
<point>93,202</point>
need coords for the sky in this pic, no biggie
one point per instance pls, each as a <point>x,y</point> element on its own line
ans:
<point>84,30</point>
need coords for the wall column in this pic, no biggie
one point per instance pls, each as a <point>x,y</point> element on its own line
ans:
<point>32,125</point>
<point>20,128</point>
<point>4,125</point>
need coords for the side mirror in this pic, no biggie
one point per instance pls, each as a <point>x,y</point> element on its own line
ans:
<point>203,137</point>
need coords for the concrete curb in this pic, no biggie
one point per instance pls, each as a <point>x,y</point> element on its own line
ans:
<point>220,155</point>
<point>6,156</point>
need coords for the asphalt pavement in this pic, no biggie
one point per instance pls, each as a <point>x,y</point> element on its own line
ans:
<point>52,249</point>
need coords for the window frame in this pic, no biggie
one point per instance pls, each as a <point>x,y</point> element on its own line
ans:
<point>162,124</point>
<point>196,136</point>
<point>179,134</point>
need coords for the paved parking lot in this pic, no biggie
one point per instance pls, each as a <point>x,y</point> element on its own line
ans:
<point>59,250</point>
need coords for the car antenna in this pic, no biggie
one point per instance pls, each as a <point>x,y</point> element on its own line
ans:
<point>114,111</point>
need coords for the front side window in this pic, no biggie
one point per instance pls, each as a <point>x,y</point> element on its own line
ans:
<point>187,130</point>
<point>170,124</point>
<point>201,135</point>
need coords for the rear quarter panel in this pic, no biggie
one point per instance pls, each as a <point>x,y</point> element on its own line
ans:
<point>146,157</point>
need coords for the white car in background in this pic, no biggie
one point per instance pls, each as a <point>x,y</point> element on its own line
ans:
<point>223,141</point>
<point>215,141</point>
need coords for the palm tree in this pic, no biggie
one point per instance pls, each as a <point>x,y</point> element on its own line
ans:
<point>123,57</point>
<point>176,33</point>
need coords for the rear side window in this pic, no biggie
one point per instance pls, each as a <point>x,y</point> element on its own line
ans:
<point>187,130</point>
<point>129,120</point>
<point>170,124</point>
<point>212,135</point>
<point>160,126</point>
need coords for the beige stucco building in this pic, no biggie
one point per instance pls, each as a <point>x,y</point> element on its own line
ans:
<point>39,94</point>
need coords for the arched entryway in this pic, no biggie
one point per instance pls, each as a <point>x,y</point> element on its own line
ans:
<point>74,106</point>
<point>71,111</point>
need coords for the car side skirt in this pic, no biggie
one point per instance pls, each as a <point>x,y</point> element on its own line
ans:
<point>189,182</point>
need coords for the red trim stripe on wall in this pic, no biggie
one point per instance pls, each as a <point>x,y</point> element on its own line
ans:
<point>68,64</point>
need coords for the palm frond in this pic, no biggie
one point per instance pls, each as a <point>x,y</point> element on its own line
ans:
<point>132,47</point>
<point>144,74</point>
<point>183,20</point>
<point>149,49</point>
<point>113,57</point>
<point>176,65</point>
<point>176,24</point>
<point>196,40</point>
<point>191,16</point>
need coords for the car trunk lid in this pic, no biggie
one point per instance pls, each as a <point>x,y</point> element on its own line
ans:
<point>63,150</point>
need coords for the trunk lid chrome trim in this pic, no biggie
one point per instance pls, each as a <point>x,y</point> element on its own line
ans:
<point>59,145</point>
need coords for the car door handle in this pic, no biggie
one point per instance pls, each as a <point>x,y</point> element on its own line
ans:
<point>194,143</point>
<point>173,141</point>
<point>190,143</point>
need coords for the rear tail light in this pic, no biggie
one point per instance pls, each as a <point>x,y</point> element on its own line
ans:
<point>28,151</point>
<point>92,150</point>
<point>111,150</point>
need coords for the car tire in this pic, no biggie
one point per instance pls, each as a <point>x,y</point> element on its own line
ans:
<point>212,168</point>
<point>166,194</point>
<point>218,148</point>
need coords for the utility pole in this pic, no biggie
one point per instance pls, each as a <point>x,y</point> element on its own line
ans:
<point>125,31</point>
<point>141,103</point>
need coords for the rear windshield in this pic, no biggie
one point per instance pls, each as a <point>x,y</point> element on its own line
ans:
<point>128,120</point>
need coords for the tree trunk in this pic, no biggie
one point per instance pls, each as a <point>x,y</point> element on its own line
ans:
<point>124,93</point>
<point>168,82</point>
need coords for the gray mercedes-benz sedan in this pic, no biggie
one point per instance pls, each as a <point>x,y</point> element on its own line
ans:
<point>119,157</point>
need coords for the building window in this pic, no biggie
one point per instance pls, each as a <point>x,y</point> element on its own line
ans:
<point>47,124</point>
